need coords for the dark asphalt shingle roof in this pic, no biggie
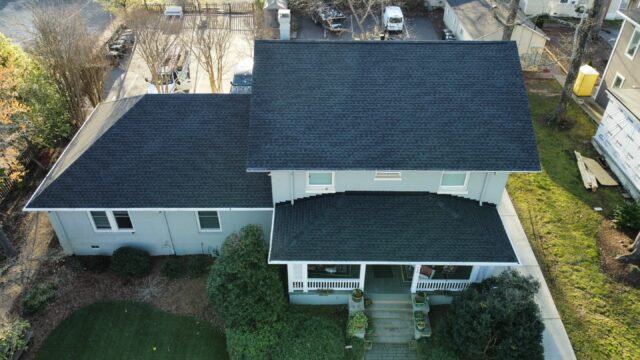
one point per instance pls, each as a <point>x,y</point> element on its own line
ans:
<point>159,151</point>
<point>390,105</point>
<point>389,226</point>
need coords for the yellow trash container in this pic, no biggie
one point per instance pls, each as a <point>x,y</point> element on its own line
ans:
<point>586,81</point>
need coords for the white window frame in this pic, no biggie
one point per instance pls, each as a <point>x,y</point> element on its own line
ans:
<point>200,229</point>
<point>636,30</point>
<point>454,189</point>
<point>613,83</point>
<point>112,222</point>
<point>321,189</point>
<point>388,176</point>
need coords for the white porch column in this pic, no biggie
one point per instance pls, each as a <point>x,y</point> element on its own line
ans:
<point>415,278</point>
<point>290,277</point>
<point>474,273</point>
<point>305,277</point>
<point>363,271</point>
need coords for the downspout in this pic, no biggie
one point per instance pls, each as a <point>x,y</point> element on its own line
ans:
<point>291,185</point>
<point>173,247</point>
<point>484,188</point>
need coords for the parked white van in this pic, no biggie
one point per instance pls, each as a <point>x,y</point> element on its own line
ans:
<point>173,11</point>
<point>393,19</point>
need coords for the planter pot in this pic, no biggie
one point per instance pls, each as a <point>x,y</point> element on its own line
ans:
<point>357,295</point>
<point>421,325</point>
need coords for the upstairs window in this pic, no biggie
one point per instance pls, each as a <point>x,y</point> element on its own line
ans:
<point>100,220</point>
<point>454,182</point>
<point>208,221</point>
<point>617,81</point>
<point>123,221</point>
<point>388,175</point>
<point>320,181</point>
<point>634,43</point>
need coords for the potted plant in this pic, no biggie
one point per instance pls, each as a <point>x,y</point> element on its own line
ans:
<point>421,298</point>
<point>357,295</point>
<point>357,324</point>
<point>420,325</point>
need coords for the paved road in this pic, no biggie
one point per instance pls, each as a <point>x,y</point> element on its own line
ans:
<point>15,17</point>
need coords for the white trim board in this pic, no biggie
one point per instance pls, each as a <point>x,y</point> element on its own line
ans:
<point>425,262</point>
<point>147,209</point>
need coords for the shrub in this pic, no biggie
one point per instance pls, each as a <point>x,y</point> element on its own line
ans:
<point>38,297</point>
<point>244,290</point>
<point>496,319</point>
<point>627,216</point>
<point>96,264</point>
<point>174,268</point>
<point>255,344</point>
<point>198,265</point>
<point>357,322</point>
<point>12,338</point>
<point>309,337</point>
<point>358,349</point>
<point>131,262</point>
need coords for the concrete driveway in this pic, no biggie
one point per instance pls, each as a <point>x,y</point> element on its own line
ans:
<point>417,28</point>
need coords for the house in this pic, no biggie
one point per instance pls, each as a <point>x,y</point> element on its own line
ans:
<point>482,20</point>
<point>618,137</point>
<point>386,180</point>
<point>567,8</point>
<point>623,68</point>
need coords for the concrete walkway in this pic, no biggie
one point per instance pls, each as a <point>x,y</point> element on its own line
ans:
<point>390,352</point>
<point>555,339</point>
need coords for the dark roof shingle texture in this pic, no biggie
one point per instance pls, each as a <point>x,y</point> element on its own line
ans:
<point>166,151</point>
<point>389,226</point>
<point>390,105</point>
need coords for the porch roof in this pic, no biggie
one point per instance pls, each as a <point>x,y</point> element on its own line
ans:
<point>389,227</point>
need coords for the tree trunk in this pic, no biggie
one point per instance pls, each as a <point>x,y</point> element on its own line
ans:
<point>582,36</point>
<point>602,14</point>
<point>634,257</point>
<point>511,20</point>
<point>6,245</point>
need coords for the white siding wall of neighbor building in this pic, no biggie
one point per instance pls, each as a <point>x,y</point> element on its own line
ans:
<point>481,186</point>
<point>618,139</point>
<point>566,8</point>
<point>158,232</point>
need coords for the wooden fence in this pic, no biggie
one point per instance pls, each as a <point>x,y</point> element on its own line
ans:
<point>6,185</point>
<point>230,8</point>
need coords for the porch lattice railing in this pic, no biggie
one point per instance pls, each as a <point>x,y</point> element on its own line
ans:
<point>444,285</point>
<point>327,284</point>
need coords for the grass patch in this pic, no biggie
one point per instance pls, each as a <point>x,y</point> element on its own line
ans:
<point>602,317</point>
<point>126,330</point>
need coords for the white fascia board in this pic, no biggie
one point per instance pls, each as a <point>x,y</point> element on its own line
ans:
<point>273,220</point>
<point>147,209</point>
<point>425,262</point>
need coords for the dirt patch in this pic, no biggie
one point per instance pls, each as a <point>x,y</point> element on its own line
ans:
<point>77,288</point>
<point>561,41</point>
<point>611,243</point>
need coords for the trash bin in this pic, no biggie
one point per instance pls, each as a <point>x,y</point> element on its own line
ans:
<point>586,81</point>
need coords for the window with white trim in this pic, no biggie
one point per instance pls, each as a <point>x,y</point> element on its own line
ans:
<point>388,175</point>
<point>454,182</point>
<point>618,80</point>
<point>100,220</point>
<point>208,221</point>
<point>634,43</point>
<point>320,181</point>
<point>122,219</point>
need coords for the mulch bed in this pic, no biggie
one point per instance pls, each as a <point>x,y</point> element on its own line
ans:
<point>611,243</point>
<point>77,288</point>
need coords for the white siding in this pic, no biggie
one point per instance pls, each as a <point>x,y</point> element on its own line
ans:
<point>287,185</point>
<point>178,233</point>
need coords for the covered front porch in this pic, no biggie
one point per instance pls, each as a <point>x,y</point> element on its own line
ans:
<point>381,278</point>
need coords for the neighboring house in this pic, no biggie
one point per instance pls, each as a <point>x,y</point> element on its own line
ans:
<point>623,68</point>
<point>388,180</point>
<point>567,8</point>
<point>618,137</point>
<point>480,20</point>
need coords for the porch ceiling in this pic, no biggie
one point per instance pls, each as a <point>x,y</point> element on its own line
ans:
<point>389,227</point>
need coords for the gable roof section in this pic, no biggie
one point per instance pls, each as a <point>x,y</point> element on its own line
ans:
<point>389,106</point>
<point>158,151</point>
<point>630,98</point>
<point>391,227</point>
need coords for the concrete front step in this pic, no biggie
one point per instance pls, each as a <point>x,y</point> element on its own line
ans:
<point>402,314</point>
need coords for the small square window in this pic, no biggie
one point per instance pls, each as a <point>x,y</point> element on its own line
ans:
<point>208,220</point>
<point>123,221</point>
<point>320,181</point>
<point>100,220</point>
<point>617,81</point>
<point>454,182</point>
<point>634,43</point>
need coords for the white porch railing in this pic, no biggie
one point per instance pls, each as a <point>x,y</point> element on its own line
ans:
<point>444,285</point>
<point>327,284</point>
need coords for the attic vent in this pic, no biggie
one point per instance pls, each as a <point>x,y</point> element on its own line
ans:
<point>388,175</point>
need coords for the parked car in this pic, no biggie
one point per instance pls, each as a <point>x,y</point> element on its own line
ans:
<point>393,19</point>
<point>448,35</point>
<point>242,77</point>
<point>329,17</point>
<point>175,71</point>
<point>173,12</point>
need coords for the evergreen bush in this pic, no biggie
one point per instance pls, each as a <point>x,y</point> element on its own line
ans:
<point>38,297</point>
<point>627,216</point>
<point>131,262</point>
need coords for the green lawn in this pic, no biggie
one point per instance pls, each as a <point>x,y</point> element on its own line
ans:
<point>125,330</point>
<point>601,316</point>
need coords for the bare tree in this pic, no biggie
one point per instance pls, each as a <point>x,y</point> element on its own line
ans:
<point>361,10</point>
<point>582,36</point>
<point>70,54</point>
<point>210,46</point>
<point>514,6</point>
<point>156,37</point>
